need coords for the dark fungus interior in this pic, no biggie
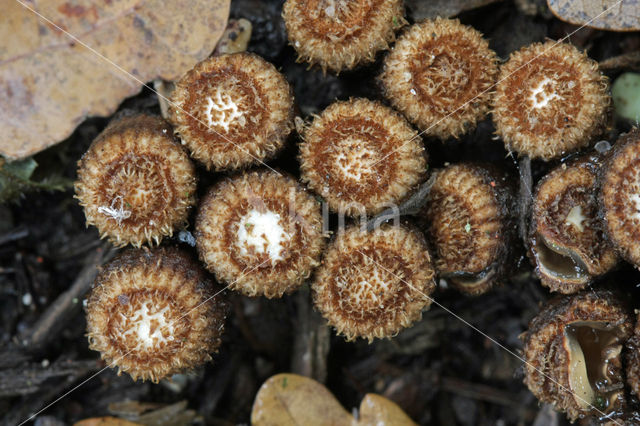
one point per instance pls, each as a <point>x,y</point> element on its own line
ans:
<point>560,263</point>
<point>594,364</point>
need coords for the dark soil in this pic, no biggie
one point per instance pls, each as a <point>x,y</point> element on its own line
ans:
<point>441,371</point>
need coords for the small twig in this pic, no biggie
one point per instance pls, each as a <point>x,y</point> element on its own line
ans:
<point>14,234</point>
<point>411,206</point>
<point>68,303</point>
<point>312,340</point>
<point>29,380</point>
<point>478,392</point>
<point>525,196</point>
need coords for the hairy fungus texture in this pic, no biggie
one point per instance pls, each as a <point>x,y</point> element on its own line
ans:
<point>620,196</point>
<point>232,111</point>
<point>339,35</point>
<point>567,239</point>
<point>550,99</point>
<point>261,233</point>
<point>469,220</point>
<point>439,75</point>
<point>135,183</point>
<point>152,313</point>
<point>372,284</point>
<point>633,359</point>
<point>573,353</point>
<point>361,157</point>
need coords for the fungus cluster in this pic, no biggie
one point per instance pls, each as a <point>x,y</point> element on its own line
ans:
<point>154,312</point>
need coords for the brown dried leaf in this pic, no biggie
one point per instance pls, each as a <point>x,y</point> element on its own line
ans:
<point>622,16</point>
<point>290,399</point>
<point>105,421</point>
<point>378,410</point>
<point>49,83</point>
<point>443,8</point>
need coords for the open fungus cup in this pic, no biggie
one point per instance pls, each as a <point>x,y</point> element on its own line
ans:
<point>573,354</point>
<point>154,313</point>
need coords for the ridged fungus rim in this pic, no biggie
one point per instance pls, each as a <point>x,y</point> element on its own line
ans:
<point>151,314</point>
<point>260,232</point>
<point>440,75</point>
<point>551,99</point>
<point>567,241</point>
<point>135,182</point>
<point>633,359</point>
<point>620,196</point>
<point>338,35</point>
<point>573,354</point>
<point>372,284</point>
<point>361,156</point>
<point>232,111</point>
<point>470,224</point>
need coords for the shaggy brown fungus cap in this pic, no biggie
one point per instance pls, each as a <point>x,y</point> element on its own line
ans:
<point>373,284</point>
<point>633,359</point>
<point>620,196</point>
<point>232,111</point>
<point>550,99</point>
<point>567,239</point>
<point>339,35</point>
<point>469,221</point>
<point>261,233</point>
<point>135,182</point>
<point>572,349</point>
<point>152,313</point>
<point>439,75</point>
<point>361,156</point>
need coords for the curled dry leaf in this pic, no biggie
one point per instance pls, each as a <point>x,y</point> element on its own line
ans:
<point>613,15</point>
<point>378,410</point>
<point>442,8</point>
<point>49,82</point>
<point>290,399</point>
<point>105,421</point>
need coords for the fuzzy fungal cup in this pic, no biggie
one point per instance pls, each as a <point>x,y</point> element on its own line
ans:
<point>372,284</point>
<point>439,75</point>
<point>152,313</point>
<point>361,156</point>
<point>633,359</point>
<point>567,241</point>
<point>261,233</point>
<point>620,196</point>
<point>573,353</point>
<point>551,99</point>
<point>340,35</point>
<point>470,223</point>
<point>136,183</point>
<point>232,111</point>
